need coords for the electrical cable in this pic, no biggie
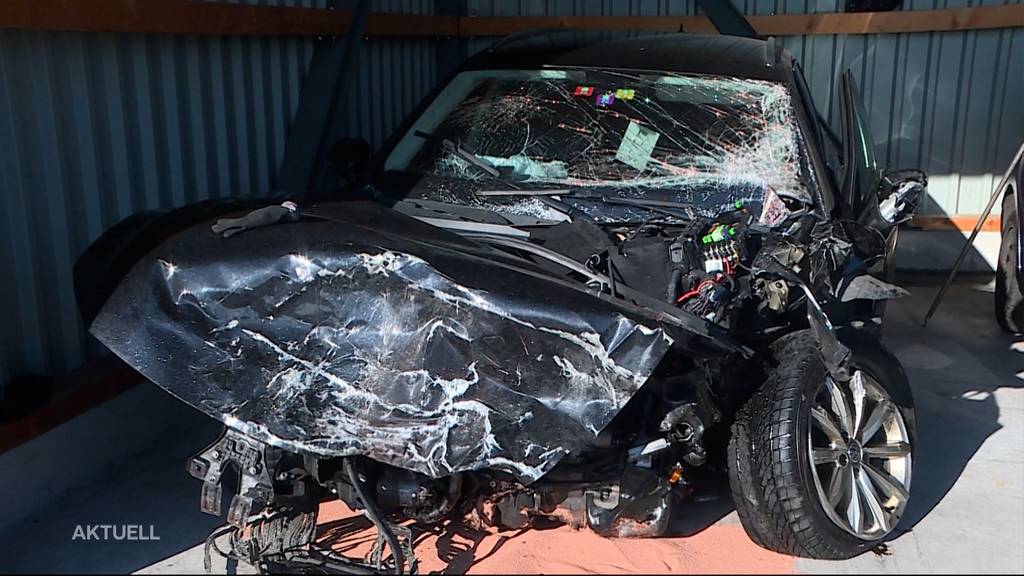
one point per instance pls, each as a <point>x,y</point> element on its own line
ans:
<point>611,276</point>
<point>694,292</point>
<point>374,515</point>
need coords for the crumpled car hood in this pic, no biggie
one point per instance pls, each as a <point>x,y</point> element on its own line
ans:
<point>360,331</point>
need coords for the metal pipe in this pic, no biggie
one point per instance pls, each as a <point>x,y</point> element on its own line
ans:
<point>996,193</point>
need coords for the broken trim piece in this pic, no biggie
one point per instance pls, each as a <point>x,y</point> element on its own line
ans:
<point>835,355</point>
<point>867,287</point>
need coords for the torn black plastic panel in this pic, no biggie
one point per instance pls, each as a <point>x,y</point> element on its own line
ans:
<point>331,339</point>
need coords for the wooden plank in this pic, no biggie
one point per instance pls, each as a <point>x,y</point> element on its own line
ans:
<point>422,25</point>
<point>962,223</point>
<point>207,18</point>
<point>976,18</point>
<point>219,18</point>
<point>504,25</point>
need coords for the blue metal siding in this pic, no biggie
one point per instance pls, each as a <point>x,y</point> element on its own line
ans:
<point>391,76</point>
<point>939,101</point>
<point>95,127</point>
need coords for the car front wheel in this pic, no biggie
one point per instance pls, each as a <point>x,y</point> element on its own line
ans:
<point>821,468</point>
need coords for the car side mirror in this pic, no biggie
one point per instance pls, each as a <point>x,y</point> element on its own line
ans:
<point>895,201</point>
<point>350,157</point>
<point>899,193</point>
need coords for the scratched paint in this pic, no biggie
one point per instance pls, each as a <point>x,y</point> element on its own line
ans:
<point>337,340</point>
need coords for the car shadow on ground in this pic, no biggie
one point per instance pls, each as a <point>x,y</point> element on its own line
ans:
<point>150,489</point>
<point>455,546</point>
<point>955,366</point>
<point>700,512</point>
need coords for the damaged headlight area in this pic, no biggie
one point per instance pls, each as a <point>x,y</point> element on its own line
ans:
<point>450,373</point>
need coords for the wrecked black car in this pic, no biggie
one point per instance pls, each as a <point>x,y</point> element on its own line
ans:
<point>584,275</point>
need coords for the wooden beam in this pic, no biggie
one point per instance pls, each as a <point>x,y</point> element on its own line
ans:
<point>961,223</point>
<point>504,25</point>
<point>207,18</point>
<point>196,17</point>
<point>384,24</point>
<point>976,18</point>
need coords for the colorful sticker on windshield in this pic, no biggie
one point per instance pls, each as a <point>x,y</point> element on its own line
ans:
<point>604,100</point>
<point>583,91</point>
<point>625,93</point>
<point>637,146</point>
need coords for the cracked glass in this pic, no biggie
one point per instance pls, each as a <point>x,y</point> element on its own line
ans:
<point>708,141</point>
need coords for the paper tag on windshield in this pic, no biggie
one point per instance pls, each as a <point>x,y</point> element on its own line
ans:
<point>773,210</point>
<point>637,146</point>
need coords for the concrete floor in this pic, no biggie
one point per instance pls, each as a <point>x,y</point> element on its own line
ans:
<point>966,512</point>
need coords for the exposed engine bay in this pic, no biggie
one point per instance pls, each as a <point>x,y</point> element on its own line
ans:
<point>604,453</point>
<point>623,481</point>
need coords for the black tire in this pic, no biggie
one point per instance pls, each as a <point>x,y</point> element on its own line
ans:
<point>769,471</point>
<point>1009,301</point>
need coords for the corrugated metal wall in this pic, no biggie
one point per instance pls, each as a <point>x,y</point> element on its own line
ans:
<point>947,102</point>
<point>94,127</point>
<point>392,75</point>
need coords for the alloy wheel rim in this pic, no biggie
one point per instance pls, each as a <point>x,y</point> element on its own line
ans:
<point>860,456</point>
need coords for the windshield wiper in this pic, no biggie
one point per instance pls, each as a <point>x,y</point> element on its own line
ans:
<point>543,192</point>
<point>470,157</point>
<point>667,207</point>
<point>674,209</point>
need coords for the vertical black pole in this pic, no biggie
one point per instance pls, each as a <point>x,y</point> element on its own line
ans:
<point>451,51</point>
<point>727,18</point>
<point>321,89</point>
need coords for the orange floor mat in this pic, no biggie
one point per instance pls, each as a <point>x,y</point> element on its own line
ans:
<point>722,547</point>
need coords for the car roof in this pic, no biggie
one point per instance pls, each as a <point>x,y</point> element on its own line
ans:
<point>631,50</point>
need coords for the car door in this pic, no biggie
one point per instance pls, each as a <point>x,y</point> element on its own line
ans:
<point>860,178</point>
<point>860,173</point>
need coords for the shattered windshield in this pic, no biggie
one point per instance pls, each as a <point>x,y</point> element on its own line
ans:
<point>709,141</point>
